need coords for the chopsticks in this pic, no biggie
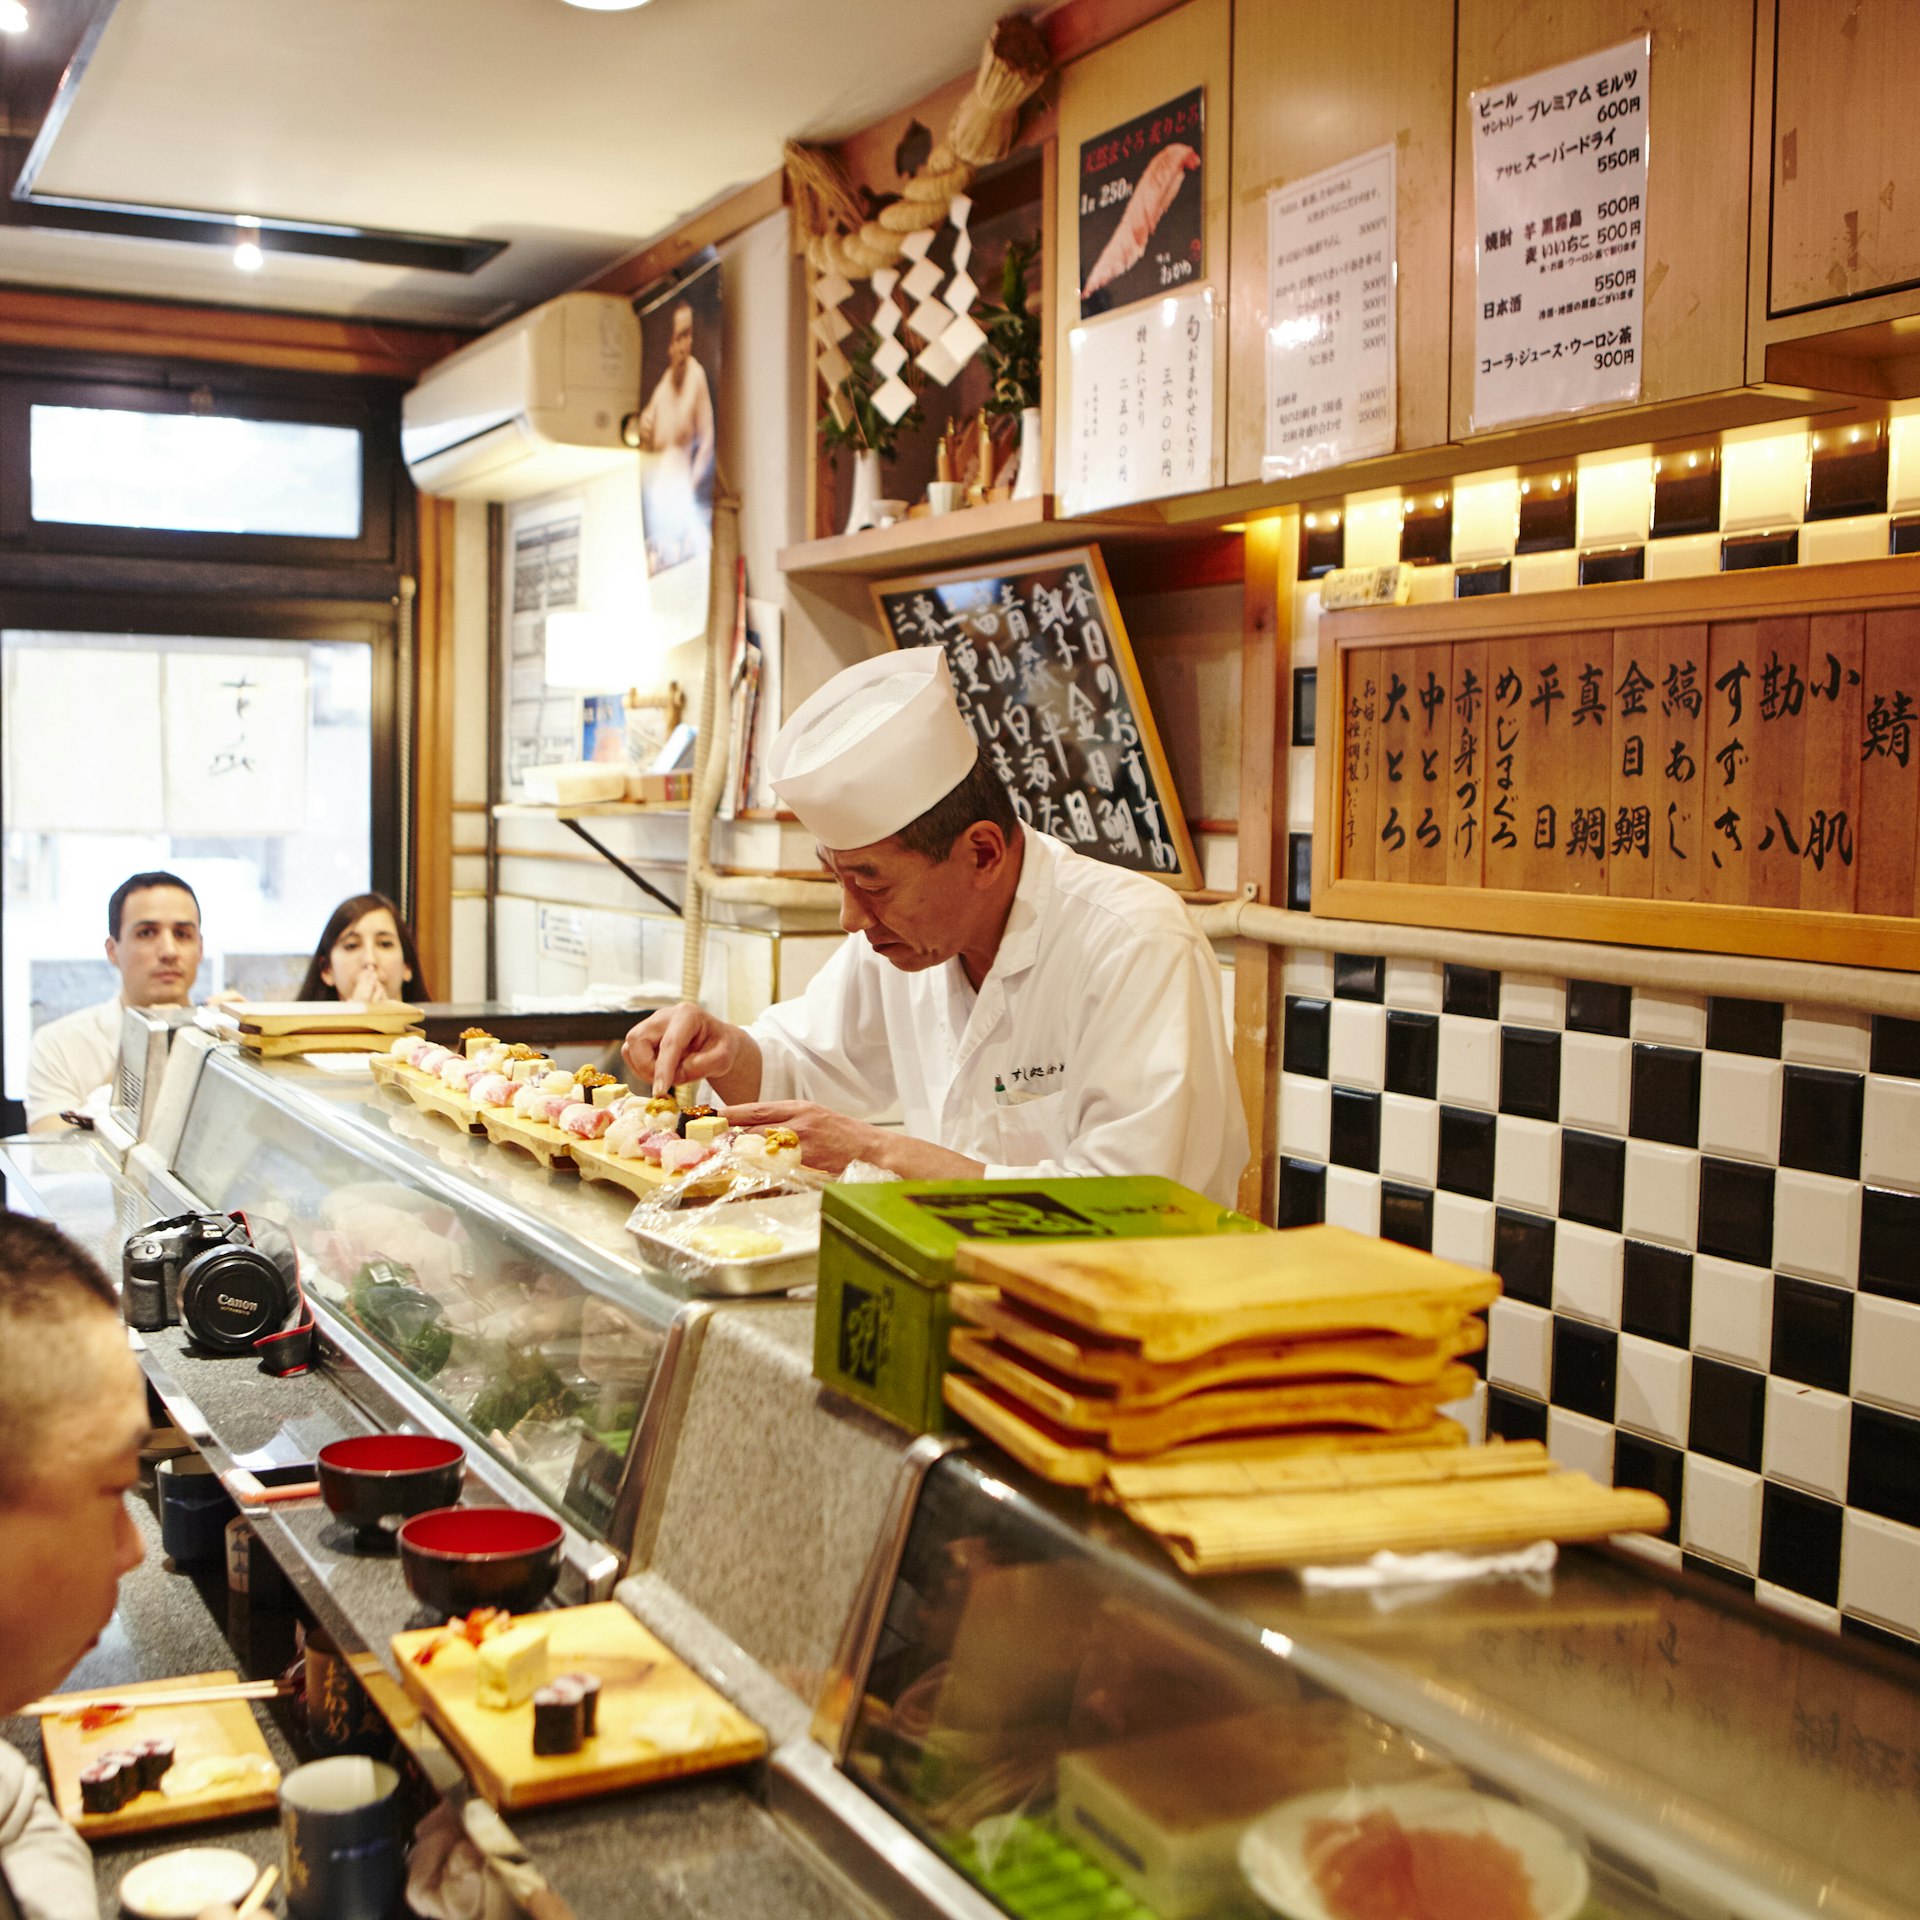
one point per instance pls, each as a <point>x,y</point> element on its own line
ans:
<point>76,1704</point>
<point>257,1898</point>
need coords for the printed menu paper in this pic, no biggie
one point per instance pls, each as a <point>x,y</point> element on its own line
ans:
<point>1560,207</point>
<point>1141,412</point>
<point>1330,317</point>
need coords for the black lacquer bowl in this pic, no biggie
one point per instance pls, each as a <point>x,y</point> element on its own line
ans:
<point>374,1476</point>
<point>465,1557</point>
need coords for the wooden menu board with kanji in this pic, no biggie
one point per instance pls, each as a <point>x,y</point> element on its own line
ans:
<point>1724,764</point>
<point>1045,675</point>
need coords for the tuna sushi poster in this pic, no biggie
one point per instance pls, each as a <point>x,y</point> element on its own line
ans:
<point>1142,206</point>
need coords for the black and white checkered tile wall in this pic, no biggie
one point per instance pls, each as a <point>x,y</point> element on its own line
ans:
<point>1706,1216</point>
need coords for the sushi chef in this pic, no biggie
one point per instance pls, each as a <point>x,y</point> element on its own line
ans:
<point>1028,1010</point>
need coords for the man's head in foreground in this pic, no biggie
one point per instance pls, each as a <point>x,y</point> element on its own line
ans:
<point>73,1418</point>
<point>153,938</point>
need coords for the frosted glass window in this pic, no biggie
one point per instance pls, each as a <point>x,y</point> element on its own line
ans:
<point>195,473</point>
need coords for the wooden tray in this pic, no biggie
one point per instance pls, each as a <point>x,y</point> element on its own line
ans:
<point>386,1069</point>
<point>1236,1476</point>
<point>697,1730</point>
<point>1117,1366</point>
<point>1178,1299</point>
<point>505,1128</point>
<point>199,1730</point>
<point>432,1095</point>
<point>281,1046</point>
<point>325,1016</point>
<point>1076,1460</point>
<point>641,1178</point>
<point>1117,1429</point>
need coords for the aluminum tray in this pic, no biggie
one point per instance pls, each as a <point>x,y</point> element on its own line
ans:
<point>793,1218</point>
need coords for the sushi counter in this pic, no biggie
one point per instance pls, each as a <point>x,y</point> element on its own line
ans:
<point>971,1692</point>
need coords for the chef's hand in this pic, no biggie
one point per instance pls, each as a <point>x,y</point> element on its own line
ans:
<point>829,1140</point>
<point>685,1043</point>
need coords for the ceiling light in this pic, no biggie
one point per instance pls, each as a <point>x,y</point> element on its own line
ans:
<point>607,6</point>
<point>247,255</point>
<point>13,17</point>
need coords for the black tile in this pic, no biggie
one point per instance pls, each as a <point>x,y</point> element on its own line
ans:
<point>1547,516</point>
<point>1406,1215</point>
<point>1686,488</point>
<point>1813,1333</point>
<point>1656,1295</point>
<point>1657,1469</point>
<point>1299,871</point>
<point>1742,554</point>
<point>1586,1361</point>
<point>1304,1037</point>
<point>1820,1114</point>
<point>1593,1178</point>
<point>1666,1095</point>
<point>1745,1026</point>
<point>1729,1416</point>
<point>1515,1416</point>
<point>1471,990</point>
<point>1903,534</point>
<point>1426,528</point>
<point>1883,1470</point>
<point>1469,583</point>
<point>1595,1007</point>
<point>1466,1152</point>
<point>1713,1570</point>
<point>1847,471</point>
<point>1800,1543</point>
<point>1890,1244</point>
<point>1616,563</point>
<point>1303,1194</point>
<point>1323,541</point>
<point>1896,1046</point>
<point>1413,1054</point>
<point>1530,1073</point>
<point>1857,1629</point>
<point>1359,976</point>
<point>1736,1211</point>
<point>1355,1140</point>
<point>1306,691</point>
<point>1523,1255</point>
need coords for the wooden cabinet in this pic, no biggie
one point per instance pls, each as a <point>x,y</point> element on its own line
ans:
<point>1846,151</point>
<point>1306,96</point>
<point>1698,174</point>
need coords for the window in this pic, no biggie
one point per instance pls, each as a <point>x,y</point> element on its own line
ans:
<point>196,473</point>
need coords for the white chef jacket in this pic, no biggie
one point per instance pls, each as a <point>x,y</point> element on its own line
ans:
<point>72,1059</point>
<point>1096,1044</point>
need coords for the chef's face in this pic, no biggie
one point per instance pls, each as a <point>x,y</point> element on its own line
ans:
<point>915,912</point>
<point>66,1536</point>
<point>158,947</point>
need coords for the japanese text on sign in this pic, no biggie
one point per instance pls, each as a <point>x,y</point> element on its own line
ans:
<point>1330,317</point>
<point>1140,423</point>
<point>1560,206</point>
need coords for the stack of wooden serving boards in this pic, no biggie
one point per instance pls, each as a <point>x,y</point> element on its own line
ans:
<point>1259,1400</point>
<point>275,1028</point>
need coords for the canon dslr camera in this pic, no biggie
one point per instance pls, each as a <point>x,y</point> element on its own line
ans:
<point>204,1272</point>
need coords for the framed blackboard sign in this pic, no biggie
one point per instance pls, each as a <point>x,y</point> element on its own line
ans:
<point>1047,681</point>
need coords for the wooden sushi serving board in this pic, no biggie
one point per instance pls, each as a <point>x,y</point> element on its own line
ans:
<point>199,1730</point>
<point>641,1178</point>
<point>505,1128</point>
<point>281,1046</point>
<point>1117,1366</point>
<point>303,1016</point>
<point>657,1719</point>
<point>1178,1299</point>
<point>433,1095</point>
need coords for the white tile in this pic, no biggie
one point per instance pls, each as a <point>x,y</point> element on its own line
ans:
<point>1306,1115</point>
<point>1486,515</point>
<point>1414,986</point>
<point>1880,1571</point>
<point>1596,1082</point>
<point>1545,572</point>
<point>1826,1037</point>
<point>1469,1069</point>
<point>1886,1352</point>
<point>1587,1265</point>
<point>1668,1019</point>
<point>1662,1199</point>
<point>1689,556</point>
<point>1808,1435</point>
<point>1797,1605</point>
<point>1463,1229</point>
<point>1470,1413</point>
<point>1582,1443</point>
<point>1357,1045</point>
<point>1373,528</point>
<point>1526,1164</point>
<point>1409,1139</point>
<point>1740,1107</point>
<point>1732,1311</point>
<point>1816,1226</point>
<point>1614,505</point>
<point>1663,1553</point>
<point>1655,1389</point>
<point>1890,1133</point>
<point>1864,538</point>
<point>1308,974</point>
<point>1300,777</point>
<point>1519,1346</point>
<point>1353,1200</point>
<point>1532,1000</point>
<point>1763,478</point>
<point>1903,457</point>
<point>1432,585</point>
<point>1720,1512</point>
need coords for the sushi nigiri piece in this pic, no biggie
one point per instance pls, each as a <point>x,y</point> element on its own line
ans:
<point>552,1106</point>
<point>458,1074</point>
<point>531,1067</point>
<point>492,1089</point>
<point>677,1155</point>
<point>1158,189</point>
<point>529,1099</point>
<point>558,1081</point>
<point>652,1145</point>
<point>584,1119</point>
<point>406,1047</point>
<point>708,1129</point>
<point>609,1093</point>
<point>475,1040</point>
<point>625,1134</point>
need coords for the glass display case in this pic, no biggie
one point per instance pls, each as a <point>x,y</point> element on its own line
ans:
<point>1084,1732</point>
<point>511,1298</point>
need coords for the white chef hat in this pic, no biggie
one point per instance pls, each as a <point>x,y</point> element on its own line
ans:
<point>874,749</point>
